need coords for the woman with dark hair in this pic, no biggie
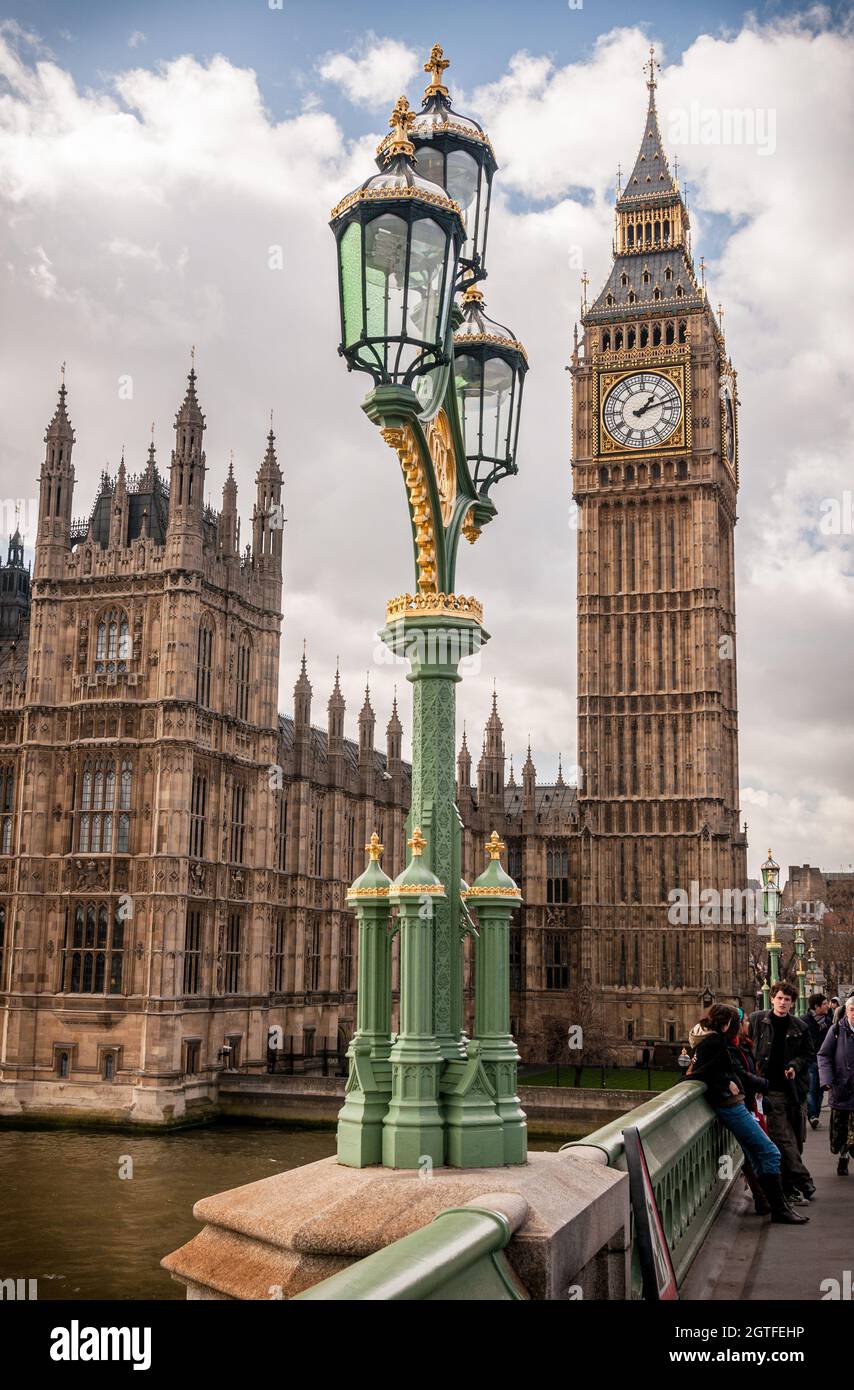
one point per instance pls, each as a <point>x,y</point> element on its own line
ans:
<point>726,1088</point>
<point>755,1087</point>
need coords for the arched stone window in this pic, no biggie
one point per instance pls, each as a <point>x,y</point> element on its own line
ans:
<point>104,805</point>
<point>94,949</point>
<point>244,669</point>
<point>204,663</point>
<point>7,805</point>
<point>113,643</point>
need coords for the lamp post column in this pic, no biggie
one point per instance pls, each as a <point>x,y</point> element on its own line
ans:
<point>801,1006</point>
<point>360,1121</point>
<point>413,1130</point>
<point>494,895</point>
<point>434,650</point>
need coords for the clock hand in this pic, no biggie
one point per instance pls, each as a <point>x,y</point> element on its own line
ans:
<point>644,408</point>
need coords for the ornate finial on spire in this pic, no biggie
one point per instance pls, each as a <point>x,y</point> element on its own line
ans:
<point>62,375</point>
<point>494,845</point>
<point>721,327</point>
<point>374,848</point>
<point>417,844</point>
<point>435,66</point>
<point>703,275</point>
<point>585,281</point>
<point>399,142</point>
<point>193,357</point>
<point>473,295</point>
<point>650,66</point>
<point>231,463</point>
<point>619,179</point>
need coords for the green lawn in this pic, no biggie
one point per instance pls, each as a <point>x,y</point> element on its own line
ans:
<point>616,1078</point>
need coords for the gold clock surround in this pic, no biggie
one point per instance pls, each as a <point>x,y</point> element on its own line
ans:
<point>613,367</point>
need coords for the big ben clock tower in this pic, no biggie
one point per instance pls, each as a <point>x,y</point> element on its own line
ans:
<point>655,477</point>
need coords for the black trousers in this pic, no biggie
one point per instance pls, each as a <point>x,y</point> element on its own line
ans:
<point>787,1126</point>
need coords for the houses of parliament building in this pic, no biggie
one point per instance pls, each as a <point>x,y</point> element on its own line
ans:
<point>175,853</point>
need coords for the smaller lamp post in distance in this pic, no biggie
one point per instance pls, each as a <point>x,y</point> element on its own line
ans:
<point>770,872</point>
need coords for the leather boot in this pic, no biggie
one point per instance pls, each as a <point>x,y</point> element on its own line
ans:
<point>760,1201</point>
<point>842,1166</point>
<point>780,1209</point>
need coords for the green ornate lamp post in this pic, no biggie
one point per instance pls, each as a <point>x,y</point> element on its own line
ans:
<point>801,1006</point>
<point>447,390</point>
<point>770,871</point>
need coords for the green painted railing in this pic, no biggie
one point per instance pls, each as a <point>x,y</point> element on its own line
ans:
<point>457,1257</point>
<point>692,1162</point>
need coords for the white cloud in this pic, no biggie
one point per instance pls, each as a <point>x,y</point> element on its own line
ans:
<point>375,73</point>
<point>136,38</point>
<point>179,182</point>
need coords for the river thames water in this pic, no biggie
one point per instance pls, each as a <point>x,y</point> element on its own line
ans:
<point>69,1220</point>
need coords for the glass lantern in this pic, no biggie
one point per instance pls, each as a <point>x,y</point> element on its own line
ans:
<point>399,238</point>
<point>454,152</point>
<point>770,871</point>
<point>490,365</point>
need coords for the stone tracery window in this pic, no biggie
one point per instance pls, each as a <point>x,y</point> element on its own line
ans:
<point>204,664</point>
<point>113,647</point>
<point>244,665</point>
<point>7,806</point>
<point>94,949</point>
<point>103,811</point>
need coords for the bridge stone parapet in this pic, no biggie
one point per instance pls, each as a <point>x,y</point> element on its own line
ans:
<point>291,1232</point>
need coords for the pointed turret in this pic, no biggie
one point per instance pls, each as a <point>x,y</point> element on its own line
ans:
<point>302,697</point>
<point>228,541</point>
<point>367,727</point>
<point>529,781</point>
<point>56,489</point>
<point>464,770</point>
<point>187,482</point>
<point>490,771</point>
<point>119,509</point>
<point>336,709</point>
<point>267,519</point>
<point>511,780</point>
<point>560,782</point>
<point>394,738</point>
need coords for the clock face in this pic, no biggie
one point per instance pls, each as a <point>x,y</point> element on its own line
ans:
<point>642,410</point>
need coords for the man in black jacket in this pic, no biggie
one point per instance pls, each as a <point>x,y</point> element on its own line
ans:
<point>784,1055</point>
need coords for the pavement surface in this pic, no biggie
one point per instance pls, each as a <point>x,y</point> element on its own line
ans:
<point>747,1257</point>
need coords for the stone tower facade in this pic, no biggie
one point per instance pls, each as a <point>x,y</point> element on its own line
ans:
<point>655,478</point>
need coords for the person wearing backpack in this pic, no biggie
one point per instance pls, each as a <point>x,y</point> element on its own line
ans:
<point>836,1075</point>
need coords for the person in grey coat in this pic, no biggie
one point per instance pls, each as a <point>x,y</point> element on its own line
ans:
<point>836,1075</point>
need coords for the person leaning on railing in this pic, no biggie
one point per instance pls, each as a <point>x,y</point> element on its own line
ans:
<point>727,1086</point>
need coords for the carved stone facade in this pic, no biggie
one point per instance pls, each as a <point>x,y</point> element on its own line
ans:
<point>174,854</point>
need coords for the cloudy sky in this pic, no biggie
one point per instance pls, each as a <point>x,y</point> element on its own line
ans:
<point>155,156</point>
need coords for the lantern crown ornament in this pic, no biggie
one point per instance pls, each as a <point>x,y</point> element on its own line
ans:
<point>399,237</point>
<point>489,365</point>
<point>456,153</point>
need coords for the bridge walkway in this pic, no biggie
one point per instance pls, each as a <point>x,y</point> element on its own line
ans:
<point>747,1257</point>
